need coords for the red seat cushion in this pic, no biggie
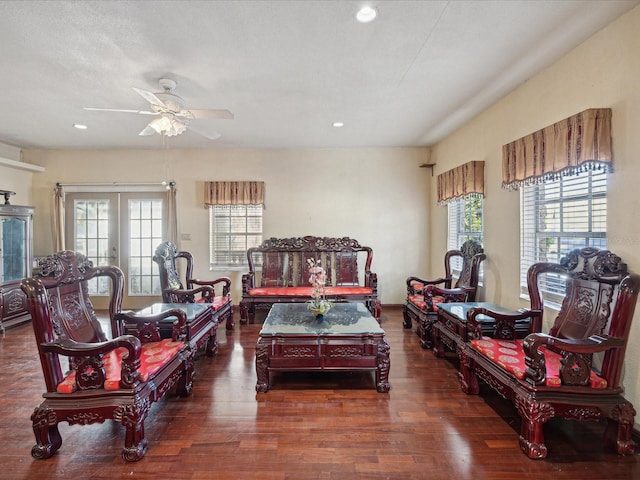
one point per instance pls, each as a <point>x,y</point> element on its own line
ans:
<point>509,354</point>
<point>418,300</point>
<point>306,291</point>
<point>154,355</point>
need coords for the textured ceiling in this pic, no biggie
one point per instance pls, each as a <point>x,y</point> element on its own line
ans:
<point>286,69</point>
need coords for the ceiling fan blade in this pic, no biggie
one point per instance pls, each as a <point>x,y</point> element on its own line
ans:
<point>223,114</point>
<point>209,135</point>
<point>141,112</point>
<point>148,130</point>
<point>150,97</point>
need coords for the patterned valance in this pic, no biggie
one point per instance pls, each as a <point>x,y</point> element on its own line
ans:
<point>233,193</point>
<point>576,144</point>
<point>461,182</point>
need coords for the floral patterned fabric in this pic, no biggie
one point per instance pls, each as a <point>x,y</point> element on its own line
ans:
<point>154,356</point>
<point>307,291</point>
<point>509,354</point>
<point>418,301</point>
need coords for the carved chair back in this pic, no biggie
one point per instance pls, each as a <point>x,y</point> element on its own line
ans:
<point>60,296</point>
<point>165,257</point>
<point>470,269</point>
<point>600,299</point>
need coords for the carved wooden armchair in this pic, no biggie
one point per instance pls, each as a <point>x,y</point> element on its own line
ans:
<point>423,296</point>
<point>196,291</point>
<point>107,379</point>
<point>574,371</point>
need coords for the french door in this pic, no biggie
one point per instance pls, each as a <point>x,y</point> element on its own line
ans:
<point>120,229</point>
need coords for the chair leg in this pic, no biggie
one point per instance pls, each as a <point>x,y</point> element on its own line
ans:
<point>212,343</point>
<point>45,429</point>
<point>230,325</point>
<point>438,347</point>
<point>132,416</point>
<point>244,313</point>
<point>407,319</point>
<point>424,331</point>
<point>619,429</point>
<point>533,417</point>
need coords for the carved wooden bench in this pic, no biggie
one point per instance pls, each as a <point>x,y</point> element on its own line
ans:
<point>107,379</point>
<point>278,273</point>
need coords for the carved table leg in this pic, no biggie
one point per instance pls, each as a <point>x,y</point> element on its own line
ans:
<point>262,370</point>
<point>212,342</point>
<point>468,379</point>
<point>382,370</point>
<point>45,429</point>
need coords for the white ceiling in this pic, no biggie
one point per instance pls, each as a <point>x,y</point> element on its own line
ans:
<point>286,69</point>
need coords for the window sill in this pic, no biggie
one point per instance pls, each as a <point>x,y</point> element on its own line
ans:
<point>228,268</point>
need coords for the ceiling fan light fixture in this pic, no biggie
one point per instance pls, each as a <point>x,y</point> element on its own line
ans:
<point>168,125</point>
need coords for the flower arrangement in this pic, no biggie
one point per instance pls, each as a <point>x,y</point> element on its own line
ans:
<point>317,278</point>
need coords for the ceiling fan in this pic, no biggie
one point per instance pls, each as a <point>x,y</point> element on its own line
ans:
<point>172,118</point>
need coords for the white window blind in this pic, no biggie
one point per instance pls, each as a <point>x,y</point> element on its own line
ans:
<point>465,223</point>
<point>232,230</point>
<point>557,217</point>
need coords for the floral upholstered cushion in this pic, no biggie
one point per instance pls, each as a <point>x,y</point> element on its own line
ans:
<point>509,354</point>
<point>154,355</point>
<point>417,286</point>
<point>306,291</point>
<point>418,300</point>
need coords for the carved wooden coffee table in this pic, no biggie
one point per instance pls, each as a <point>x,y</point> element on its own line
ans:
<point>348,339</point>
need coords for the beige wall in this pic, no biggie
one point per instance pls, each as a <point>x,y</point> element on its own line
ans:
<point>16,180</point>
<point>377,196</point>
<point>602,72</point>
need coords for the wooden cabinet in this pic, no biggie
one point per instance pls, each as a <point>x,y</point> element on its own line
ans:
<point>16,261</point>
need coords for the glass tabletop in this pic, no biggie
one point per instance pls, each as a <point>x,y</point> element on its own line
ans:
<point>343,318</point>
<point>460,309</point>
<point>191,309</point>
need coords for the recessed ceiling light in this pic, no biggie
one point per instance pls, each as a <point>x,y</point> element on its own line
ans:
<point>366,14</point>
<point>338,124</point>
<point>79,126</point>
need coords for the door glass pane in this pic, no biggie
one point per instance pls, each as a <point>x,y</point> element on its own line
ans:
<point>145,232</point>
<point>92,237</point>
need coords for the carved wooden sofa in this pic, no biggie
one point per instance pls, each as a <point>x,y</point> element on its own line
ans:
<point>574,371</point>
<point>107,379</point>
<point>278,273</point>
<point>197,291</point>
<point>423,296</point>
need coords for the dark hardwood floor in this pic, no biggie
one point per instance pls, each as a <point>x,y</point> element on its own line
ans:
<point>309,426</point>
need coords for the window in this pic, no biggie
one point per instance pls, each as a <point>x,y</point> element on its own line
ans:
<point>232,230</point>
<point>465,223</point>
<point>557,217</point>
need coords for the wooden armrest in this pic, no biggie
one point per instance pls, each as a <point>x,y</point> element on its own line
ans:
<point>577,356</point>
<point>71,348</point>
<point>224,281</point>
<point>505,321</point>
<point>435,290</point>
<point>147,325</point>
